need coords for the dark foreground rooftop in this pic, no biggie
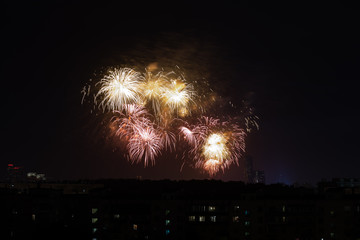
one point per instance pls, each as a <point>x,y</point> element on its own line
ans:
<point>208,209</point>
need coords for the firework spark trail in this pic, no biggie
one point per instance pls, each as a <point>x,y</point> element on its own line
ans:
<point>145,143</point>
<point>153,87</point>
<point>134,116</point>
<point>168,139</point>
<point>188,135</point>
<point>119,88</point>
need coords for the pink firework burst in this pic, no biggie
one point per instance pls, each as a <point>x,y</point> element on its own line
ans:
<point>145,144</point>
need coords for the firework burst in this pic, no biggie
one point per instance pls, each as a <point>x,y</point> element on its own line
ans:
<point>178,96</point>
<point>215,144</point>
<point>119,88</point>
<point>145,144</point>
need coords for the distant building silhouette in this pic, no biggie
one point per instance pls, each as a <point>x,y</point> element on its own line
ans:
<point>14,173</point>
<point>251,175</point>
<point>249,171</point>
<point>259,176</point>
<point>35,177</point>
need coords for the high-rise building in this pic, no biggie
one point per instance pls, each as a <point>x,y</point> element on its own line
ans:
<point>249,172</point>
<point>259,176</point>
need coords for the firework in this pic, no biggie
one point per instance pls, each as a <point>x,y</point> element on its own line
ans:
<point>119,88</point>
<point>146,109</point>
<point>177,96</point>
<point>132,117</point>
<point>215,144</point>
<point>168,139</point>
<point>188,135</point>
<point>144,144</point>
<point>215,147</point>
<point>153,88</point>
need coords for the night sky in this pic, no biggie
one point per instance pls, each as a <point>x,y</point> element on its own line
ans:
<point>296,64</point>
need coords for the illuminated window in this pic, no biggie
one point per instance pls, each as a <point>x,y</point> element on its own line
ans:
<point>33,217</point>
<point>247,233</point>
<point>213,218</point>
<point>201,218</point>
<point>332,235</point>
<point>246,212</point>
<point>236,207</point>
<point>94,210</point>
<point>116,216</point>
<point>202,208</point>
<point>212,208</point>
<point>94,230</point>
<point>247,223</point>
<point>94,220</point>
<point>94,239</point>
<point>191,218</point>
<point>167,212</point>
<point>135,227</point>
<point>167,232</point>
<point>236,218</point>
<point>283,208</point>
<point>167,222</point>
<point>284,219</point>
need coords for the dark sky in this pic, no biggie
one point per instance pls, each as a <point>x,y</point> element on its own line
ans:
<point>298,63</point>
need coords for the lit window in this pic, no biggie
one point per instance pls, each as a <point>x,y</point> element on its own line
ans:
<point>94,220</point>
<point>94,230</point>
<point>247,223</point>
<point>94,239</point>
<point>202,208</point>
<point>284,219</point>
<point>191,218</point>
<point>201,218</point>
<point>135,227</point>
<point>213,218</point>
<point>283,208</point>
<point>167,212</point>
<point>236,207</point>
<point>246,212</point>
<point>332,235</point>
<point>236,218</point>
<point>212,208</point>
<point>116,216</point>
<point>94,210</point>
<point>33,217</point>
<point>247,233</point>
<point>167,222</point>
<point>167,232</point>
